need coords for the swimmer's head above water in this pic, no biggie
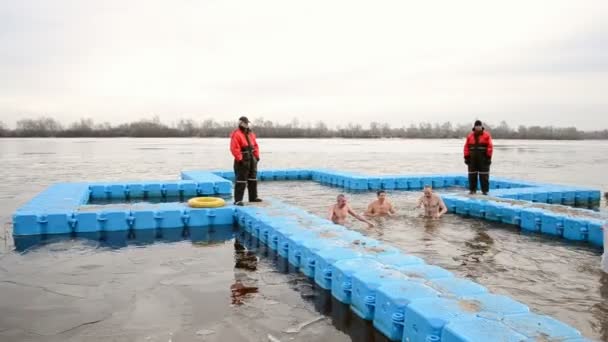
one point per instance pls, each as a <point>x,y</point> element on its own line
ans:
<point>381,195</point>
<point>341,200</point>
<point>428,191</point>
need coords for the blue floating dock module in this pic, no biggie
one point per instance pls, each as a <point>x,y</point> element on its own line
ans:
<point>462,180</point>
<point>356,183</point>
<point>178,215</point>
<point>595,234</point>
<point>170,189</point>
<point>208,183</point>
<point>165,216</point>
<point>392,299</point>
<point>397,260</point>
<point>388,182</point>
<point>451,201</point>
<point>134,190</point>
<point>515,183</point>
<point>463,206</point>
<point>316,174</point>
<point>310,249</point>
<point>477,329</point>
<point>577,224</point>
<point>374,183</point>
<point>266,175</point>
<point>86,222</point>
<point>555,195</point>
<point>541,196</point>
<point>226,174</point>
<point>456,287</point>
<point>298,245</point>
<point>424,272</point>
<point>153,189</point>
<point>426,180</point>
<point>541,328</point>
<point>569,196</point>
<point>342,272</point>
<point>323,261</point>
<point>204,217</point>
<point>113,220</point>
<point>187,188</point>
<point>414,183</point>
<point>298,174</point>
<point>494,211</point>
<point>450,180</point>
<point>426,317</point>
<point>401,183</point>
<point>552,223</point>
<point>280,240</point>
<point>119,239</point>
<point>274,174</point>
<point>337,244</point>
<point>159,189</point>
<point>583,196</point>
<point>531,219</point>
<point>510,214</point>
<point>365,283</point>
<point>284,174</point>
<point>71,217</point>
<point>51,211</point>
<point>295,243</point>
<point>594,195</point>
<point>575,229</point>
<point>477,208</point>
<point>29,223</point>
<point>58,196</point>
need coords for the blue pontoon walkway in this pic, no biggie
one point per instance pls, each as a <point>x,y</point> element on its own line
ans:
<point>407,299</point>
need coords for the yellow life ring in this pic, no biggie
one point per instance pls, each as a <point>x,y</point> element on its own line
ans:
<point>206,202</point>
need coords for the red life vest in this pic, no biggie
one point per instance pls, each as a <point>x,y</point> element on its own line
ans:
<point>482,145</point>
<point>238,144</point>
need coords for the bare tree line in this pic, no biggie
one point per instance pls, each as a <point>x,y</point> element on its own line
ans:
<point>49,127</point>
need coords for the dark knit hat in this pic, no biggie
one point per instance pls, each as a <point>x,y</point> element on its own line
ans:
<point>244,119</point>
<point>477,123</point>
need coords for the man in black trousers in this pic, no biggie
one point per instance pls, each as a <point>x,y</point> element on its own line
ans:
<point>246,152</point>
<point>478,150</point>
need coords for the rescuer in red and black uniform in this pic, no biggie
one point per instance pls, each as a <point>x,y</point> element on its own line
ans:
<point>246,152</point>
<point>478,156</point>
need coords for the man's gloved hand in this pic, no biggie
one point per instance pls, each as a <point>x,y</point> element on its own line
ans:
<point>489,160</point>
<point>467,160</point>
<point>257,159</point>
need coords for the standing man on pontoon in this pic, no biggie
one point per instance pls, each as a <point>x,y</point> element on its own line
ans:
<point>246,152</point>
<point>478,150</point>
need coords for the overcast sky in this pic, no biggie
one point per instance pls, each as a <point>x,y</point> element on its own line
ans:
<point>526,62</point>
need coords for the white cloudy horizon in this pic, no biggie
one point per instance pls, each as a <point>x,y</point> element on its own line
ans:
<point>401,62</point>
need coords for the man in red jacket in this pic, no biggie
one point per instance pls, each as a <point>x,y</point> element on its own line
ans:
<point>478,156</point>
<point>246,152</point>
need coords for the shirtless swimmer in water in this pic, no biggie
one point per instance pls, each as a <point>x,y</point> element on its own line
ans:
<point>380,207</point>
<point>339,211</point>
<point>433,204</point>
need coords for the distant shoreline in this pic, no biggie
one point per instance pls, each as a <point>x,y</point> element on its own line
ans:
<point>46,127</point>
